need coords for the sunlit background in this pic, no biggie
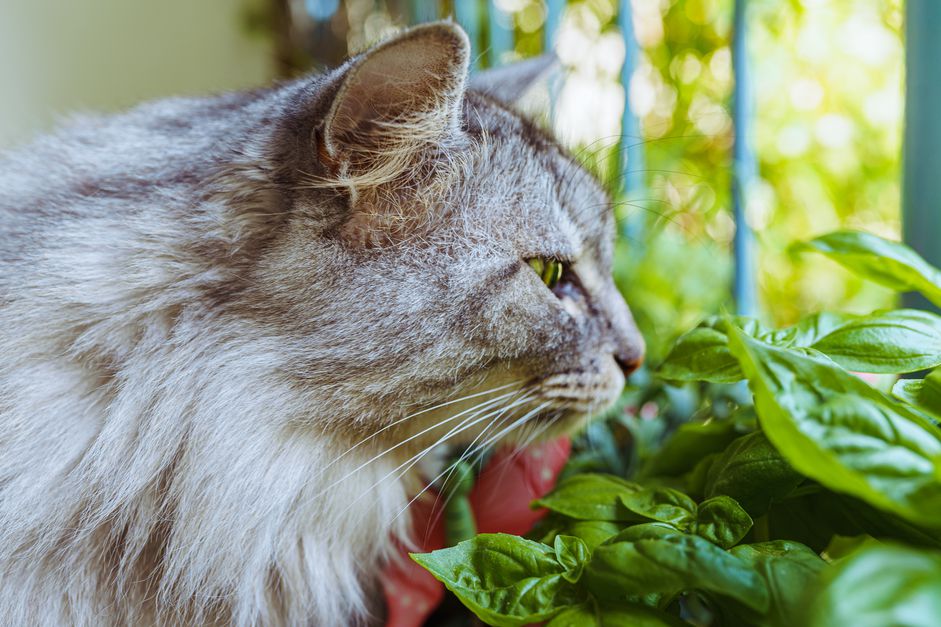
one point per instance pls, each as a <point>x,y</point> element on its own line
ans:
<point>828,95</point>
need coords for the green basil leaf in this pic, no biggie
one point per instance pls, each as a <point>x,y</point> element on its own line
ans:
<point>573,554</point>
<point>892,342</point>
<point>860,517</point>
<point>809,330</point>
<point>506,580</point>
<point>695,480</point>
<point>789,569</point>
<point>752,472</point>
<point>634,615</point>
<point>722,521</point>
<point>591,532</point>
<point>925,394</point>
<point>688,444</point>
<point>669,563</point>
<point>888,263</point>
<point>881,584</point>
<point>837,430</point>
<point>644,531</point>
<point>814,518</point>
<point>589,497</point>
<point>620,615</point>
<point>662,505</point>
<point>811,519</point>
<point>581,616</point>
<point>908,390</point>
<point>701,355</point>
<point>905,340</point>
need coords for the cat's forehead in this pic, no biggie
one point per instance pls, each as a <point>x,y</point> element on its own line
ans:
<point>523,178</point>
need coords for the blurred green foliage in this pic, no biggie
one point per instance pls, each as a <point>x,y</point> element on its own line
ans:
<point>827,133</point>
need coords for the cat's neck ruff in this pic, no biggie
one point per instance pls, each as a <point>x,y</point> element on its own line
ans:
<point>219,514</point>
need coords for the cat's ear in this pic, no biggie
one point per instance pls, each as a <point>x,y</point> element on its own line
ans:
<point>396,100</point>
<point>511,83</point>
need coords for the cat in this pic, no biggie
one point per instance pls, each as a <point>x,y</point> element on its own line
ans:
<point>230,326</point>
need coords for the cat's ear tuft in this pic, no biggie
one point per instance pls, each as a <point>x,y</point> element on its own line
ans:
<point>398,96</point>
<point>511,83</point>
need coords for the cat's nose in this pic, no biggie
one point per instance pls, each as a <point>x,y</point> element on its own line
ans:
<point>629,360</point>
<point>623,336</point>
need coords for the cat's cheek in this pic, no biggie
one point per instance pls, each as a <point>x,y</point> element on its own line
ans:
<point>614,382</point>
<point>571,308</point>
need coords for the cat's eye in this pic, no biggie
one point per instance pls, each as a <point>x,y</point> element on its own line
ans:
<point>549,270</point>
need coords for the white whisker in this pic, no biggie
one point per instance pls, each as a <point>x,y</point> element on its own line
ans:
<point>465,425</point>
<point>418,413</point>
<point>470,450</point>
<point>481,447</point>
<point>485,404</point>
<point>408,464</point>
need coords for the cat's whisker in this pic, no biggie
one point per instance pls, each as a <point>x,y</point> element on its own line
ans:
<point>537,430</point>
<point>465,425</point>
<point>468,451</point>
<point>514,425</point>
<point>408,464</point>
<point>473,411</point>
<point>418,413</point>
<point>483,446</point>
<point>418,455</point>
<point>483,405</point>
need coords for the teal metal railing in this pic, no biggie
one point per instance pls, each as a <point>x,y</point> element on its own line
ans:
<point>744,167</point>
<point>921,184</point>
<point>499,33</point>
<point>467,14</point>
<point>631,148</point>
<point>554,9</point>
<point>423,11</point>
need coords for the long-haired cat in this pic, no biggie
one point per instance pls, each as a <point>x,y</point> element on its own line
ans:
<point>231,326</point>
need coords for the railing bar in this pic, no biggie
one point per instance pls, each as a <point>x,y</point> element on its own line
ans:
<point>321,10</point>
<point>632,148</point>
<point>500,33</point>
<point>921,183</point>
<point>423,11</point>
<point>744,167</point>
<point>554,10</point>
<point>467,14</point>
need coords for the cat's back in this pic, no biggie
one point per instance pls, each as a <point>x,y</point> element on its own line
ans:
<point>153,144</point>
<point>115,214</point>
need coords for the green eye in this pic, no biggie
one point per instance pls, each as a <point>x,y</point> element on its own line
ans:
<point>549,270</point>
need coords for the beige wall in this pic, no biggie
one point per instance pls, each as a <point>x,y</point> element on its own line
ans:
<point>58,56</point>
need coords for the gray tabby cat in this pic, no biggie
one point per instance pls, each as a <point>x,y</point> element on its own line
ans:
<point>231,325</point>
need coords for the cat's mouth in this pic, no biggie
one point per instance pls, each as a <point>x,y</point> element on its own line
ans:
<point>502,409</point>
<point>581,392</point>
<point>565,402</point>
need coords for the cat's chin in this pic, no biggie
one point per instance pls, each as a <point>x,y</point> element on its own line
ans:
<point>503,409</point>
<point>551,425</point>
<point>566,413</point>
<point>582,393</point>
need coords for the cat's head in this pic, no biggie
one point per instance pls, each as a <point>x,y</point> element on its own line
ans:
<point>438,245</point>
